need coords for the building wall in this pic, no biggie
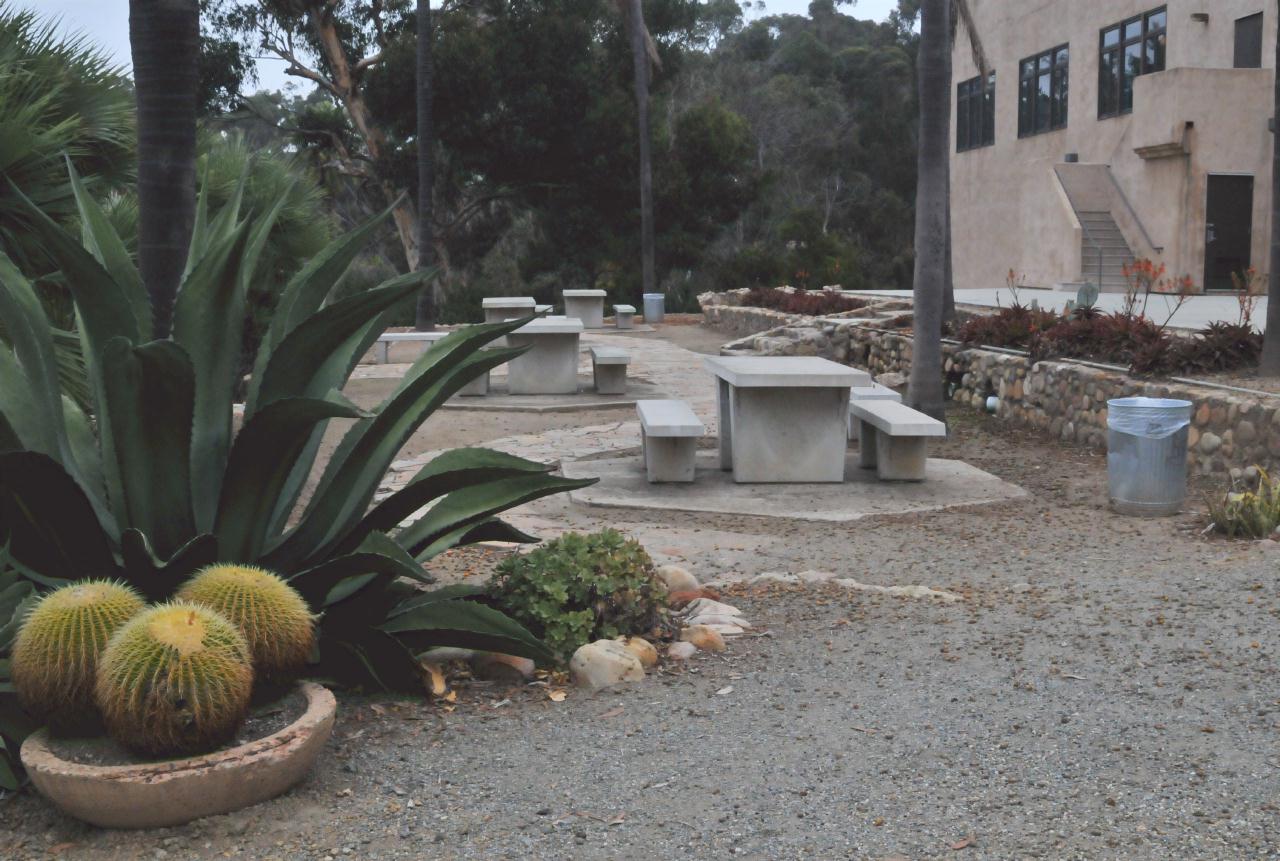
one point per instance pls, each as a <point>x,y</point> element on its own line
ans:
<point>1008,206</point>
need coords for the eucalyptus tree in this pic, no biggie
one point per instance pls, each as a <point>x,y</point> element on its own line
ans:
<point>1269,365</point>
<point>425,313</point>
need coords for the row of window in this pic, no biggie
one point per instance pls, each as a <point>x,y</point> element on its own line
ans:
<point>1127,50</point>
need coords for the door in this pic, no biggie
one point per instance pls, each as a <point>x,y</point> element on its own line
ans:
<point>1228,229</point>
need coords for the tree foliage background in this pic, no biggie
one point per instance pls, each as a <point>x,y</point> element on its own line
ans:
<point>784,148</point>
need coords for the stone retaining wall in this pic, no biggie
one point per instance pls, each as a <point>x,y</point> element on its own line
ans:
<point>1230,429</point>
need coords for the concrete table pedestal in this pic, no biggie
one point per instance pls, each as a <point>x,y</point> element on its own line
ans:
<point>783,419</point>
<point>585,305</point>
<point>550,366</point>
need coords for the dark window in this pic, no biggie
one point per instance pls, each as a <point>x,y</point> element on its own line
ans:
<point>1043,83</point>
<point>976,113</point>
<point>1249,42</point>
<point>1129,49</point>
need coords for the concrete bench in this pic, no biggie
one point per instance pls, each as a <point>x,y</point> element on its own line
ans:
<point>624,316</point>
<point>669,433</point>
<point>895,439</point>
<point>873,392</point>
<point>386,339</point>
<point>609,368</point>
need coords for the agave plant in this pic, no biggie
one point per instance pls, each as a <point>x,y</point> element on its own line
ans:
<point>151,484</point>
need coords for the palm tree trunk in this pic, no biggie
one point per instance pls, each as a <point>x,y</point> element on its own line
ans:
<point>1269,365</point>
<point>165,39</point>
<point>640,60</point>
<point>925,389</point>
<point>425,313</point>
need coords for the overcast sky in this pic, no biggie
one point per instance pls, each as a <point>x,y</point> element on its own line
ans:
<point>107,24</point>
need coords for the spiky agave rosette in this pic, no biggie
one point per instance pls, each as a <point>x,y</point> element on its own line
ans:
<point>175,680</point>
<point>270,613</point>
<point>55,656</point>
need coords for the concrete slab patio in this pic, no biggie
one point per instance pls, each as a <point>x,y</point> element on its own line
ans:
<point>949,484</point>
<point>500,399</point>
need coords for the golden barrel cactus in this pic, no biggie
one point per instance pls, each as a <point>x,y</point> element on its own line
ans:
<point>270,613</point>
<point>175,680</point>
<point>55,656</point>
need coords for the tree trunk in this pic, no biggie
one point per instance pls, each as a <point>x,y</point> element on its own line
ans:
<point>1269,365</point>
<point>640,60</point>
<point>425,313</point>
<point>925,389</point>
<point>164,36</point>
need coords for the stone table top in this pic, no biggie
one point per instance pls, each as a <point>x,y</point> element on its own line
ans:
<point>785,372</point>
<point>589,294</point>
<point>507,302</point>
<point>551,326</point>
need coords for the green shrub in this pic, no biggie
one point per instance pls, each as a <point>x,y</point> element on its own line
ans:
<point>580,588</point>
<point>1248,513</point>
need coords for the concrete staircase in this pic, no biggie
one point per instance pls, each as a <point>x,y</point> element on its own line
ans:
<point>1109,245</point>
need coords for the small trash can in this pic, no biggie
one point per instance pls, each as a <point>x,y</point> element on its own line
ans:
<point>654,305</point>
<point>1147,455</point>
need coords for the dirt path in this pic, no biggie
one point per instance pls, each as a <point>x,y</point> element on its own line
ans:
<point>1104,690</point>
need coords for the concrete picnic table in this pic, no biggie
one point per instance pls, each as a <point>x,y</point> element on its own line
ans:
<point>550,366</point>
<point>783,419</point>
<point>500,308</point>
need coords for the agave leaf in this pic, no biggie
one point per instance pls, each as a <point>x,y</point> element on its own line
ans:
<point>157,578</point>
<point>8,436</point>
<point>357,468</point>
<point>100,237</point>
<point>451,592</point>
<point>466,624</point>
<point>40,423</point>
<point>492,529</point>
<point>50,524</point>
<point>446,473</point>
<point>208,323</point>
<point>307,289</point>
<point>323,585</point>
<point>369,656</point>
<point>261,461</point>
<point>313,358</point>
<point>471,506</point>
<point>84,447</point>
<point>151,393</point>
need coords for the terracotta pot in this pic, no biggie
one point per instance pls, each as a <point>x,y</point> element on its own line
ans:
<point>156,794</point>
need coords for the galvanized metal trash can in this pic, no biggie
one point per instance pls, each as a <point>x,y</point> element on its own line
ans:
<point>654,307</point>
<point>1147,455</point>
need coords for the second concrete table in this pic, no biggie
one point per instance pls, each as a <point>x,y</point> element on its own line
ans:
<point>550,366</point>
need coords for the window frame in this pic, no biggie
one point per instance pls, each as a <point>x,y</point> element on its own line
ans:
<point>975,103</point>
<point>1122,82</point>
<point>1058,71</point>
<point>1236,62</point>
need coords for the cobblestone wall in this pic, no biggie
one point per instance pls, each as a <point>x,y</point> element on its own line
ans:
<point>1067,400</point>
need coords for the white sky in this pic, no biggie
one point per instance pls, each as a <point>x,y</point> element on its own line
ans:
<point>107,24</point>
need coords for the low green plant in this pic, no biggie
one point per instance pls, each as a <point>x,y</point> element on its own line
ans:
<point>175,680</point>
<point>270,613</point>
<point>1247,513</point>
<point>580,588</point>
<point>55,656</point>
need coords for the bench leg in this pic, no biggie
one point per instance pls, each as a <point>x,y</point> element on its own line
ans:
<point>900,458</point>
<point>477,388</point>
<point>669,459</point>
<point>385,346</point>
<point>867,435</point>
<point>724,421</point>
<point>611,379</point>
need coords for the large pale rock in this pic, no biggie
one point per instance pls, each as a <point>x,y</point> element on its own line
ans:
<point>718,621</point>
<point>707,607</point>
<point>604,663</point>
<point>677,579</point>
<point>642,649</point>
<point>704,637</point>
<point>681,651</point>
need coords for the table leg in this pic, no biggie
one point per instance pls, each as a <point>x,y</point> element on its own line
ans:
<point>724,416</point>
<point>386,351</point>
<point>789,435</point>
<point>866,444</point>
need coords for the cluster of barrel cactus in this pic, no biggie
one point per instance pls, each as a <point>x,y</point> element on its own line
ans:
<point>167,680</point>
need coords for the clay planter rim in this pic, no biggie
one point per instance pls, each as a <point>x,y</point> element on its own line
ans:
<point>158,794</point>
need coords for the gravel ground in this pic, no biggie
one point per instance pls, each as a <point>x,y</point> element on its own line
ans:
<point>1105,690</point>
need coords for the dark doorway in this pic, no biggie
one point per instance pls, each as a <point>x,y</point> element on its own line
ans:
<point>1228,229</point>
<point>1249,42</point>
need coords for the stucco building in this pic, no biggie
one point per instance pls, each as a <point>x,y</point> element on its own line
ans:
<point>1111,130</point>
